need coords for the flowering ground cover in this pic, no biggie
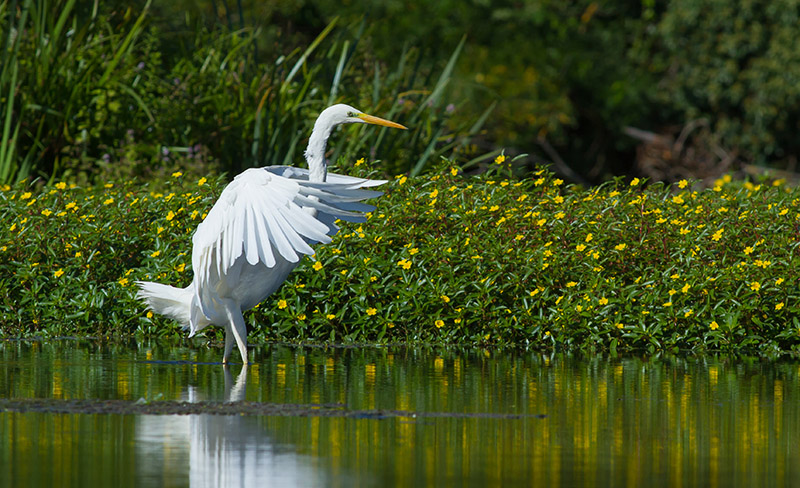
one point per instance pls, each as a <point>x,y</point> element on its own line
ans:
<point>445,258</point>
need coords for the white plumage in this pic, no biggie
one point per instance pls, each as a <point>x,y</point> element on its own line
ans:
<point>265,220</point>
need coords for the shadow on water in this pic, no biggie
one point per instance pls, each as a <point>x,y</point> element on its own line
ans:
<point>76,413</point>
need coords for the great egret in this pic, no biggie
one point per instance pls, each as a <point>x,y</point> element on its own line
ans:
<point>256,233</point>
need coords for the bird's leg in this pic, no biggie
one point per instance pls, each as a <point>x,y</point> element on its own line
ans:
<point>238,329</point>
<point>228,344</point>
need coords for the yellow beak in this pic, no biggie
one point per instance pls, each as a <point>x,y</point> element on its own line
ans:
<point>371,119</point>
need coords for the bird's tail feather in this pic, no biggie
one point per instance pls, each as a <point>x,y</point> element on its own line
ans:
<point>166,300</point>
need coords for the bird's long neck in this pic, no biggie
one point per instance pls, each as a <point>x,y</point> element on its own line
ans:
<point>315,152</point>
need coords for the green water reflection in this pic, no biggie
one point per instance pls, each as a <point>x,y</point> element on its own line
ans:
<point>585,421</point>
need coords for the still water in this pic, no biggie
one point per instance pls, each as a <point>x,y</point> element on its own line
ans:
<point>391,417</point>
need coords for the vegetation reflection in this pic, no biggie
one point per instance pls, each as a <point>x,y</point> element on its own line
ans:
<point>583,421</point>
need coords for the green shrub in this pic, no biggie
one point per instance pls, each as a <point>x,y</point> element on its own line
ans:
<point>444,259</point>
<point>736,64</point>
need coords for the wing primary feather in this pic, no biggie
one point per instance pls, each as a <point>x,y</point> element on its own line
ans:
<point>279,239</point>
<point>264,245</point>
<point>289,223</point>
<point>251,248</point>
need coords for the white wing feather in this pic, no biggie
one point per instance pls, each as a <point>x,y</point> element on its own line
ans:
<point>274,211</point>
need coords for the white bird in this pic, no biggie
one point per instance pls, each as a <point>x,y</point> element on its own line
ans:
<point>257,232</point>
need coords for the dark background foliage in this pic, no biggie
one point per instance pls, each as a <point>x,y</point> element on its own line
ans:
<point>665,89</point>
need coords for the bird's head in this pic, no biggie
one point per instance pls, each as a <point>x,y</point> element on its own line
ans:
<point>345,114</point>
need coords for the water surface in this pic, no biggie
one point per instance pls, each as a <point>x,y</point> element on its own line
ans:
<point>393,417</point>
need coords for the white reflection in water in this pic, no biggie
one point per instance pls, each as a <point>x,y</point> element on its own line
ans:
<point>223,450</point>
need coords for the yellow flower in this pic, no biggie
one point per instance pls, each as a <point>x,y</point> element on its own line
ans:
<point>668,304</point>
<point>783,211</point>
<point>688,313</point>
<point>330,316</point>
<point>677,199</point>
<point>755,286</point>
<point>571,284</point>
<point>714,325</point>
<point>453,171</point>
<point>61,185</point>
<point>371,311</point>
<point>445,298</point>
<point>439,323</point>
<point>25,195</point>
<point>201,181</point>
<point>360,162</point>
<point>46,212</point>
<point>748,250</point>
<point>620,247</point>
<point>317,266</point>
<point>682,184</point>
<point>170,215</point>
<point>404,263</point>
<point>619,325</point>
<point>778,281</point>
<point>108,201</point>
<point>635,182</point>
<point>588,237</point>
<point>302,316</point>
<point>123,281</point>
<point>155,254</point>
<point>402,181</point>
<point>500,159</point>
<point>177,174</point>
<point>179,268</point>
<point>603,301</point>
<point>413,251</point>
<point>58,273</point>
<point>779,306</point>
<point>717,235</point>
<point>580,247</point>
<point>71,205</point>
<point>282,304</point>
<point>685,288</point>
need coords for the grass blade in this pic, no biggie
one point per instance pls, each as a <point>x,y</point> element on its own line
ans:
<point>310,49</point>
<point>337,77</point>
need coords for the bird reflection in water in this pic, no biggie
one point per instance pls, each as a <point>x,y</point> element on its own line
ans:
<point>218,450</point>
<point>236,450</point>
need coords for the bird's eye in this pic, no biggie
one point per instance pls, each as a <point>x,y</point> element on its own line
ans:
<point>352,114</point>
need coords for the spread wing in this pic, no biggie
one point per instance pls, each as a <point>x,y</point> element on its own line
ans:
<point>274,211</point>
